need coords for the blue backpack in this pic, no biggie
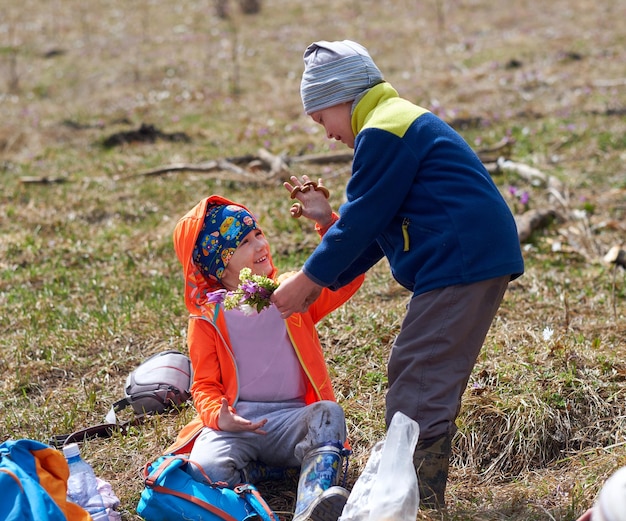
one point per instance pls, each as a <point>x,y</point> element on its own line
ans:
<point>33,481</point>
<point>171,494</point>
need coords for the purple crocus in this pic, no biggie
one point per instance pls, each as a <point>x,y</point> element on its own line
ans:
<point>249,287</point>
<point>524,197</point>
<point>264,293</point>
<point>216,297</point>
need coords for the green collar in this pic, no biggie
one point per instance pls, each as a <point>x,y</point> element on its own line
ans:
<point>367,101</point>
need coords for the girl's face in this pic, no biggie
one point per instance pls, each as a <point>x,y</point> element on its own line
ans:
<point>337,120</point>
<point>253,252</point>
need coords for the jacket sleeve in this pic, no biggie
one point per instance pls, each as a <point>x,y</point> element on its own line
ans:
<point>331,299</point>
<point>210,365</point>
<point>361,265</point>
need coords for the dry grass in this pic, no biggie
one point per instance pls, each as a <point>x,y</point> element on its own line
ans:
<point>89,284</point>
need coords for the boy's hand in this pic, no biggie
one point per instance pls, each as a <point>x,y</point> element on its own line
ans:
<point>313,200</point>
<point>231,422</point>
<point>295,294</point>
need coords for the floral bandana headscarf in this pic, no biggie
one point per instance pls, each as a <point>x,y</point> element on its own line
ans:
<point>224,228</point>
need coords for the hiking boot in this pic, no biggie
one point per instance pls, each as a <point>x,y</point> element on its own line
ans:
<point>319,497</point>
<point>328,506</point>
<point>432,460</point>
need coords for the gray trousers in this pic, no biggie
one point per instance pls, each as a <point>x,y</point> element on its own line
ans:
<point>434,354</point>
<point>292,430</point>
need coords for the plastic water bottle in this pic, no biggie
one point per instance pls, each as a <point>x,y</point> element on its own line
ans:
<point>82,487</point>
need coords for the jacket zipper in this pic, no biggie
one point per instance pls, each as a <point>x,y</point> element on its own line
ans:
<point>405,233</point>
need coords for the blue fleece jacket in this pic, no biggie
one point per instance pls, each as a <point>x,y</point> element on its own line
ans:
<point>419,196</point>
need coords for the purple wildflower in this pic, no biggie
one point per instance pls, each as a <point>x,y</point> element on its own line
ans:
<point>524,198</point>
<point>249,287</point>
<point>216,297</point>
<point>264,293</point>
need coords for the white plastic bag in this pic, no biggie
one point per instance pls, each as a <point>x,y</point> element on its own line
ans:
<point>387,488</point>
<point>110,500</point>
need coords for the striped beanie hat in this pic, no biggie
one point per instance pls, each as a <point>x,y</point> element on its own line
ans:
<point>336,72</point>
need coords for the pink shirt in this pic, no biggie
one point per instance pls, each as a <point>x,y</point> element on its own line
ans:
<point>269,369</point>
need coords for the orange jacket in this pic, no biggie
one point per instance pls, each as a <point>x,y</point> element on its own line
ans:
<point>212,358</point>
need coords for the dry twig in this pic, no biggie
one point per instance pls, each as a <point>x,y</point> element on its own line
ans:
<point>45,180</point>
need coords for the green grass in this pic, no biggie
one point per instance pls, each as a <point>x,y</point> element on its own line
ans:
<point>90,285</point>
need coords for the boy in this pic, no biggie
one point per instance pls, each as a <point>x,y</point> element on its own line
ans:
<point>420,197</point>
<point>261,386</point>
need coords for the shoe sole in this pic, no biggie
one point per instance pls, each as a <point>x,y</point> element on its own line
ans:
<point>330,507</point>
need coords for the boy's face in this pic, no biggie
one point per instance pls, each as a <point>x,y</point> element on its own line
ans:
<point>337,120</point>
<point>253,252</point>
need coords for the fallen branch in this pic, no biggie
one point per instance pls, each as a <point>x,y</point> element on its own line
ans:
<point>271,166</point>
<point>322,159</point>
<point>219,166</point>
<point>46,180</point>
<point>209,166</point>
<point>277,165</point>
<point>502,149</point>
<point>534,219</point>
<point>533,175</point>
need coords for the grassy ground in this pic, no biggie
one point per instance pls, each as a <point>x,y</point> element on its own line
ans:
<point>90,286</point>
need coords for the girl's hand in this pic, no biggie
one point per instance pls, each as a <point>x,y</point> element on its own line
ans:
<point>230,422</point>
<point>313,200</point>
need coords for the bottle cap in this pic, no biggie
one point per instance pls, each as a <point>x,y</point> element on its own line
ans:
<point>71,450</point>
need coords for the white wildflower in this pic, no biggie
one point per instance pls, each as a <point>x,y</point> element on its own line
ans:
<point>548,332</point>
<point>247,309</point>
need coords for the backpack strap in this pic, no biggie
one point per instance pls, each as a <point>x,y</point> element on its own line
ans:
<point>102,430</point>
<point>193,499</point>
<point>256,501</point>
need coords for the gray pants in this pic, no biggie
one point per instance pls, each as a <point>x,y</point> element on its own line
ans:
<point>292,430</point>
<point>434,354</point>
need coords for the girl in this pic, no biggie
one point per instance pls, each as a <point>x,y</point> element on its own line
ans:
<point>261,386</point>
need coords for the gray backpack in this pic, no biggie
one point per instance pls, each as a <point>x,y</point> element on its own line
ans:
<point>161,383</point>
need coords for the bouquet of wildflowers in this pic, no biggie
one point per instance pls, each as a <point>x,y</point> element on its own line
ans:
<point>252,294</point>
